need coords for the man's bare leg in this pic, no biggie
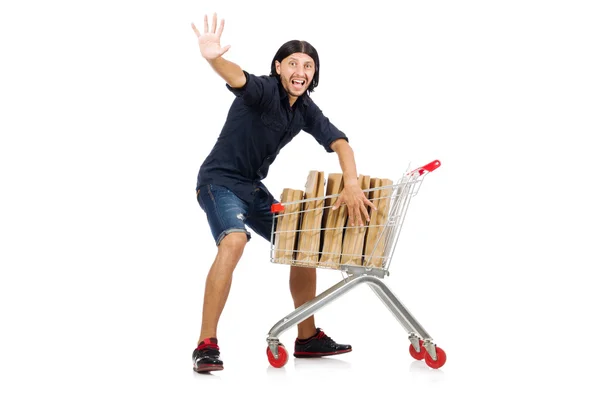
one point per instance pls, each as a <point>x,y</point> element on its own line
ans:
<point>218,282</point>
<point>303,286</point>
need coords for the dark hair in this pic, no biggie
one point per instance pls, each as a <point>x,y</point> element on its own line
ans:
<point>292,47</point>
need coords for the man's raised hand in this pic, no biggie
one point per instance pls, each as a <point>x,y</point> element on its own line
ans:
<point>210,40</point>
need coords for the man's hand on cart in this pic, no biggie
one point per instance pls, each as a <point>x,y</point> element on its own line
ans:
<point>356,201</point>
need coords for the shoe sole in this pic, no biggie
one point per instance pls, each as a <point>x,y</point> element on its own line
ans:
<point>315,355</point>
<point>208,368</point>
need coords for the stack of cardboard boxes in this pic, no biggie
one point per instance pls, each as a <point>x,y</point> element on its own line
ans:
<point>310,233</point>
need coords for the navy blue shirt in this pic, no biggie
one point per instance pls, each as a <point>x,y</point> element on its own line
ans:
<point>259,124</point>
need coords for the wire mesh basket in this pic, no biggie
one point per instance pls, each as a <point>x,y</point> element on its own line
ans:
<point>308,232</point>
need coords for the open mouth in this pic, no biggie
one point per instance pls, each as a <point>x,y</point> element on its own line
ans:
<point>298,83</point>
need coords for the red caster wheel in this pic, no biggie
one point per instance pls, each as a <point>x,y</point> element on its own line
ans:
<point>283,356</point>
<point>417,356</point>
<point>441,358</point>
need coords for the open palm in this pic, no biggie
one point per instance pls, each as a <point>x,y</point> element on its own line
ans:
<point>210,40</point>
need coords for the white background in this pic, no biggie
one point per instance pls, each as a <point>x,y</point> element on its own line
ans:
<point>107,110</point>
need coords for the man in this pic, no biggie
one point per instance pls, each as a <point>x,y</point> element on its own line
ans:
<point>267,112</point>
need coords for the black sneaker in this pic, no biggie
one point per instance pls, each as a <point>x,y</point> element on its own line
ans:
<point>319,345</point>
<point>206,356</point>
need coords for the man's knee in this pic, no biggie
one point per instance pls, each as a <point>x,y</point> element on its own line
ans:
<point>233,244</point>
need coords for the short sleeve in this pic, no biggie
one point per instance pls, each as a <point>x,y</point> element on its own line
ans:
<point>319,126</point>
<point>257,91</point>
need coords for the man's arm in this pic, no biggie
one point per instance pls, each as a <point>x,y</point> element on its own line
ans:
<point>347,162</point>
<point>210,48</point>
<point>333,140</point>
<point>352,194</point>
<point>229,71</point>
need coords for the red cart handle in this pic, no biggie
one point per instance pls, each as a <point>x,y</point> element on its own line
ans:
<point>428,167</point>
<point>277,207</point>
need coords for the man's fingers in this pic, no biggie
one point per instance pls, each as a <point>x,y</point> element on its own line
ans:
<point>351,216</point>
<point>355,214</point>
<point>370,204</point>
<point>195,30</point>
<point>214,23</point>
<point>205,23</point>
<point>358,214</point>
<point>225,49</point>
<point>221,26</point>
<point>337,203</point>
<point>365,212</point>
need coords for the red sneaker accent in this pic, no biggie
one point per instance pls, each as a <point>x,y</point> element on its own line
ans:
<point>208,368</point>
<point>319,354</point>
<point>210,343</point>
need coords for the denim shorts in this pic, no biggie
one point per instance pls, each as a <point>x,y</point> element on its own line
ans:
<point>227,213</point>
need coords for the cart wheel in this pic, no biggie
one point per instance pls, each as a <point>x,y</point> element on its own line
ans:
<point>417,356</point>
<point>441,358</point>
<point>283,356</point>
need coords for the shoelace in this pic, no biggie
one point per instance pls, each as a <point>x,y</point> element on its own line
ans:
<point>208,346</point>
<point>327,339</point>
<point>206,353</point>
<point>207,350</point>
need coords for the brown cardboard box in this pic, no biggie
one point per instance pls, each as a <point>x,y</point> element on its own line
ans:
<point>377,234</point>
<point>286,231</point>
<point>333,224</point>
<point>354,237</point>
<point>309,239</point>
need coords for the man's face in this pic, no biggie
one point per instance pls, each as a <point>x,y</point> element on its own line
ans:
<point>296,73</point>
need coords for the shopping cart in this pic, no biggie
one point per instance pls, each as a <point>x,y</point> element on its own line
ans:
<point>363,257</point>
